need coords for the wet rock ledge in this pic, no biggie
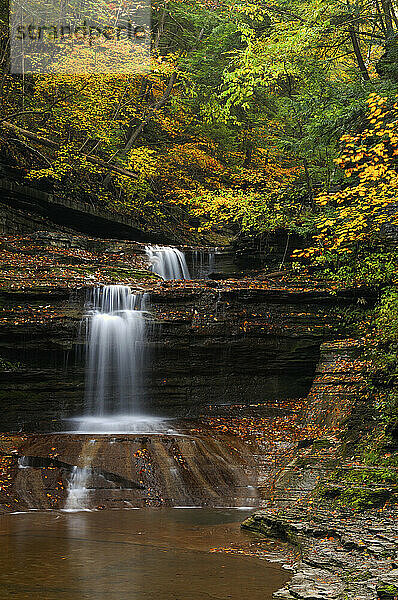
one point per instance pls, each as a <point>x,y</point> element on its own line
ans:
<point>343,556</point>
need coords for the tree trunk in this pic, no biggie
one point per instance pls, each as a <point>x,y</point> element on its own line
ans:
<point>248,155</point>
<point>308,179</point>
<point>386,5</point>
<point>378,10</point>
<point>160,30</point>
<point>358,54</point>
<point>140,128</point>
<point>393,15</point>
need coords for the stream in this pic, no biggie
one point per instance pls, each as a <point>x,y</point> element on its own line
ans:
<point>148,554</point>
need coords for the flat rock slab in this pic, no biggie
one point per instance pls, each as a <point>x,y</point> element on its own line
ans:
<point>345,556</point>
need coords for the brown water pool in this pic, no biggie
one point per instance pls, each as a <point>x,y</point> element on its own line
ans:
<point>146,554</point>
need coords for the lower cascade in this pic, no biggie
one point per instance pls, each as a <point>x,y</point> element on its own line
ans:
<point>167,262</point>
<point>77,490</point>
<point>77,498</point>
<point>188,468</point>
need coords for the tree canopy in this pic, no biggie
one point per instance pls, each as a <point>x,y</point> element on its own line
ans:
<point>250,120</point>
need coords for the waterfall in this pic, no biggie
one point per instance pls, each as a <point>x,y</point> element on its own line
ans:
<point>190,471</point>
<point>167,262</point>
<point>116,325</point>
<point>77,489</point>
<point>115,357</point>
<point>115,352</point>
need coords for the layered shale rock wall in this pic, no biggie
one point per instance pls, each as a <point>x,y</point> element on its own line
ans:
<point>207,346</point>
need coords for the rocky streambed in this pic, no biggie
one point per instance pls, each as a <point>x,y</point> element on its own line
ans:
<point>342,555</point>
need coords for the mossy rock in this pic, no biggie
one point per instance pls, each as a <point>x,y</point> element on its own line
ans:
<point>364,498</point>
<point>387,587</point>
<point>330,492</point>
<point>382,476</point>
<point>387,592</point>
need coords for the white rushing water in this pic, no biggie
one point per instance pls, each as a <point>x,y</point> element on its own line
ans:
<point>167,262</point>
<point>116,331</point>
<point>77,489</point>
<point>116,326</point>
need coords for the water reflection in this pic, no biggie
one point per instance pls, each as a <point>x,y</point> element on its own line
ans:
<point>149,554</point>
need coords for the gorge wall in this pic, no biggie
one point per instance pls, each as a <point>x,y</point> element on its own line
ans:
<point>207,346</point>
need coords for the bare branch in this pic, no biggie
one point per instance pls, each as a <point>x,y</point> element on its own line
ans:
<point>55,145</point>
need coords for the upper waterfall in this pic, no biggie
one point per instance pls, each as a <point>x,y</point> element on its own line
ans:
<point>167,262</point>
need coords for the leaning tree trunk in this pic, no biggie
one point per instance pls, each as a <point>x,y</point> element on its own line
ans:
<point>387,11</point>
<point>159,104</point>
<point>160,30</point>
<point>358,53</point>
